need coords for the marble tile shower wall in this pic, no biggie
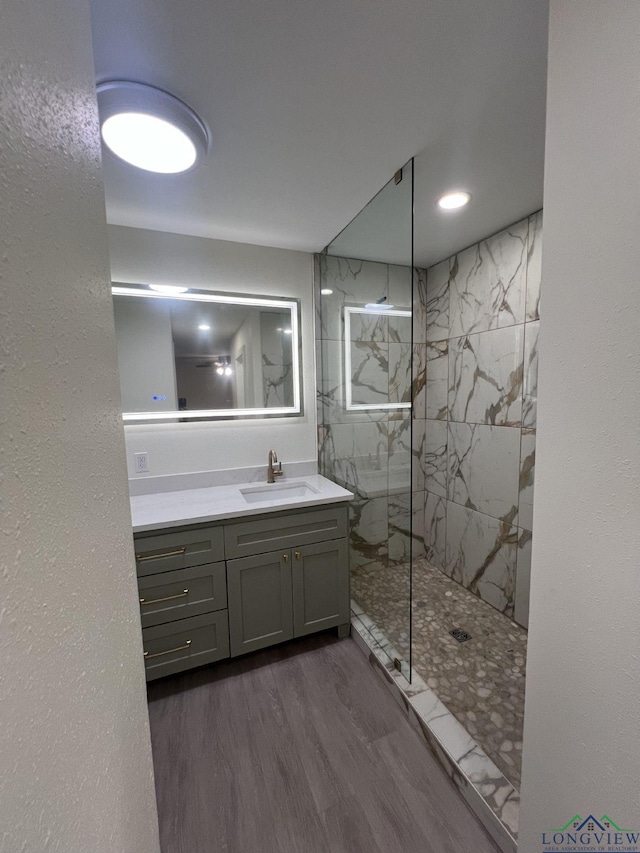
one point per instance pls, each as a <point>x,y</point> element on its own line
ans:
<point>369,450</point>
<point>478,315</point>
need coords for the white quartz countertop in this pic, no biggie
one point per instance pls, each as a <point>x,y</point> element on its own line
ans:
<point>216,503</point>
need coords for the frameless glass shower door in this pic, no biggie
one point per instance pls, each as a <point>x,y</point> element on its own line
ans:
<point>365,404</point>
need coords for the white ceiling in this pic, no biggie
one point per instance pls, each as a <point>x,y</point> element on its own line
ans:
<point>312,105</point>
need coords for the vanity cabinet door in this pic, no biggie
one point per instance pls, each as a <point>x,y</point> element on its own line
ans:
<point>260,601</point>
<point>320,586</point>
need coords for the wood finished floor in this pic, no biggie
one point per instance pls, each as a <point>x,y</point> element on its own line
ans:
<point>298,749</point>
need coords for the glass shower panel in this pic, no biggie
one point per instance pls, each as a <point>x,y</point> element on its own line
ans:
<point>365,392</point>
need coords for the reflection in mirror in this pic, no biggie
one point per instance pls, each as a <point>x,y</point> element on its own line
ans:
<point>370,381</point>
<point>205,355</point>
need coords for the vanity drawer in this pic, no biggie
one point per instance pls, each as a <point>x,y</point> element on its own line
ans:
<point>185,644</point>
<point>186,592</point>
<point>285,530</point>
<point>179,550</point>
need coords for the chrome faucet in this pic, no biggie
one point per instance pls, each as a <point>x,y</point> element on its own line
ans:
<point>271,474</point>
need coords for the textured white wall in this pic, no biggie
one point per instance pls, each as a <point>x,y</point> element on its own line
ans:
<point>160,258</point>
<point>582,717</point>
<point>76,771</point>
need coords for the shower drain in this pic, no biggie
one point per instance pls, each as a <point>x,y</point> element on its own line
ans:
<point>460,635</point>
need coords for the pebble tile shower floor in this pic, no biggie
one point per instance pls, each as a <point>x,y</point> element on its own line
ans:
<point>482,680</point>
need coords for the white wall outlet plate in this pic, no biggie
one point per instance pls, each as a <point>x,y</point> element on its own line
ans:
<point>141,464</point>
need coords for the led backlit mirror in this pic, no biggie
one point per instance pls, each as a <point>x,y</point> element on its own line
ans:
<point>373,372</point>
<point>202,355</point>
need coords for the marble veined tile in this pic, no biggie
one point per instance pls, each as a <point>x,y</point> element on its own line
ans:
<point>419,306</point>
<point>400,369</point>
<point>485,377</point>
<point>418,462</point>
<point>488,283</point>
<point>369,328</point>
<point>530,393</point>
<point>356,456</point>
<point>399,290</point>
<point>406,522</point>
<point>419,374</point>
<point>435,458</point>
<point>278,385</point>
<point>331,389</point>
<point>484,469</point>
<point>437,380</point>
<point>523,578</point>
<point>352,282</point>
<point>368,531</point>
<point>369,373</point>
<point>527,471</point>
<point>534,266</point>
<point>438,301</point>
<point>435,530</point>
<point>481,555</point>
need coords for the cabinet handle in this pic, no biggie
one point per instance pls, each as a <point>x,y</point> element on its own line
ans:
<point>182,594</point>
<point>285,557</point>
<point>147,656</point>
<point>178,553</point>
<point>297,553</point>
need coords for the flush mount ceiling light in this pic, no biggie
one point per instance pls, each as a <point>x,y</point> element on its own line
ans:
<point>454,200</point>
<point>149,128</point>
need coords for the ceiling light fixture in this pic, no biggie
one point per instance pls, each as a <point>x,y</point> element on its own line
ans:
<point>203,327</point>
<point>168,289</point>
<point>326,291</point>
<point>149,128</point>
<point>454,200</point>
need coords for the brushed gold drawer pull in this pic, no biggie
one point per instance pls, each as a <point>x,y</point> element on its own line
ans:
<point>146,603</point>
<point>297,553</point>
<point>147,656</point>
<point>285,557</point>
<point>177,553</point>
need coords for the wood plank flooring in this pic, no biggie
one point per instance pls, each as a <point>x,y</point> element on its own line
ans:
<point>298,749</point>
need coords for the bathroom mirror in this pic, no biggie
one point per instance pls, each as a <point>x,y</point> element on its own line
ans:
<point>375,377</point>
<point>204,355</point>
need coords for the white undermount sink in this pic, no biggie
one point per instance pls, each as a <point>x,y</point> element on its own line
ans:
<point>277,492</point>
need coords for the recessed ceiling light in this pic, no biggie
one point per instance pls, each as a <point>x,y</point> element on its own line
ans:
<point>288,331</point>
<point>203,327</point>
<point>149,128</point>
<point>219,370</point>
<point>228,371</point>
<point>453,200</point>
<point>169,289</point>
<point>326,291</point>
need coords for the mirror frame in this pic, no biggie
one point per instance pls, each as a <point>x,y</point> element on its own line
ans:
<point>194,295</point>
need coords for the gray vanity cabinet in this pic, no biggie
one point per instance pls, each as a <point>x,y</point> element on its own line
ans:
<point>260,601</point>
<point>283,594</point>
<point>320,586</point>
<point>210,591</point>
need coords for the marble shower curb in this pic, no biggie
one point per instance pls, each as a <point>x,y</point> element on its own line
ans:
<point>486,790</point>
